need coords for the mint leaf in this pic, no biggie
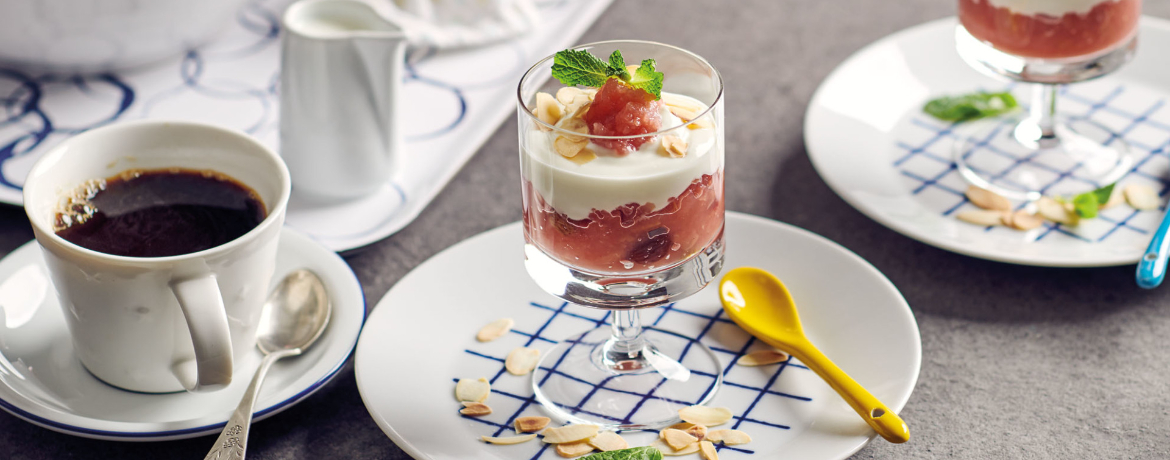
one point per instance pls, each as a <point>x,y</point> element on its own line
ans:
<point>1086,205</point>
<point>617,66</point>
<point>646,79</point>
<point>1104,193</point>
<point>970,106</point>
<point>579,67</point>
<point>637,453</point>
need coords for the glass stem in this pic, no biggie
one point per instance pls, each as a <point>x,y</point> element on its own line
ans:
<point>627,343</point>
<point>1043,114</point>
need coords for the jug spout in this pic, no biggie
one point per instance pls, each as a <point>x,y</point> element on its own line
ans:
<point>341,70</point>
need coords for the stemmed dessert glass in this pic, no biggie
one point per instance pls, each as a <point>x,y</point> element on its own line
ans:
<point>624,232</point>
<point>1046,44</point>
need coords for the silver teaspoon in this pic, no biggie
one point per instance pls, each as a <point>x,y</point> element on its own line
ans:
<point>293,317</point>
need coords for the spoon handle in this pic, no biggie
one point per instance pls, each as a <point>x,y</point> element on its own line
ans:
<point>883,420</point>
<point>232,441</point>
<point>1151,269</point>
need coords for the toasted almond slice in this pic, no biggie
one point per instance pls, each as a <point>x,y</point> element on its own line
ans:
<point>530,423</point>
<point>607,440</point>
<point>1024,220</point>
<point>547,108</point>
<point>684,113</point>
<point>698,431</point>
<point>506,441</point>
<point>988,199</point>
<point>1141,197</point>
<point>1052,210</point>
<point>574,124</point>
<point>577,108</point>
<point>676,439</point>
<point>584,156</point>
<point>574,449</point>
<point>522,360</point>
<point>568,148</point>
<point>473,390</point>
<point>706,416</point>
<point>673,146</point>
<point>494,330</point>
<point>475,409</point>
<point>567,94</point>
<point>707,451</point>
<point>670,452</point>
<point>729,437</point>
<point>569,433</point>
<point>762,358</point>
<point>682,102</point>
<point>984,217</point>
<point>1116,197</point>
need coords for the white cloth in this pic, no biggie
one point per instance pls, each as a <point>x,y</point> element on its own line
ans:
<point>446,24</point>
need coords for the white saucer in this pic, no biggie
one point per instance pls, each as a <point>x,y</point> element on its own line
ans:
<point>42,382</point>
<point>421,338</point>
<point>869,139</point>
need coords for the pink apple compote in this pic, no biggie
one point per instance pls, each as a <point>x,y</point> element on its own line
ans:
<point>1051,29</point>
<point>629,205</point>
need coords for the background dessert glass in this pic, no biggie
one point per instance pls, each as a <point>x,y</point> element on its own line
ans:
<point>1046,43</point>
<point>626,233</point>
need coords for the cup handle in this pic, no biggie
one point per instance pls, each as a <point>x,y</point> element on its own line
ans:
<point>202,306</point>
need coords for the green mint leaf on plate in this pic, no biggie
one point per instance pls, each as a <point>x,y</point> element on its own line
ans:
<point>636,453</point>
<point>579,67</point>
<point>617,66</point>
<point>1086,205</point>
<point>970,106</point>
<point>648,80</point>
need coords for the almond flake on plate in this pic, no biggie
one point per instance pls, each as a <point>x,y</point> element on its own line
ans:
<point>706,416</point>
<point>670,452</point>
<point>475,409</point>
<point>569,433</point>
<point>676,439</point>
<point>530,423</point>
<point>1141,197</point>
<point>988,199</point>
<point>1023,220</point>
<point>574,449</point>
<point>522,360</point>
<point>762,358</point>
<point>729,437</point>
<point>1052,210</point>
<point>707,451</point>
<point>607,440</point>
<point>982,217</point>
<point>472,390</point>
<point>507,441</point>
<point>494,330</point>
<point>698,431</point>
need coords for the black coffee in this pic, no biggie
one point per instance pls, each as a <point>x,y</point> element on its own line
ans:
<point>161,213</point>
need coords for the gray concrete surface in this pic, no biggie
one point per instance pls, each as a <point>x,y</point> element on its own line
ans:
<point>1018,362</point>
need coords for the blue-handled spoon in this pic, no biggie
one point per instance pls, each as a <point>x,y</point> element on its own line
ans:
<point>1152,268</point>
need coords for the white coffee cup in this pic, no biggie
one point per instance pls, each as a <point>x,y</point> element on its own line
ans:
<point>160,324</point>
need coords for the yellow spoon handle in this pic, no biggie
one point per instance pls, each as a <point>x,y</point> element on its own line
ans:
<point>883,420</point>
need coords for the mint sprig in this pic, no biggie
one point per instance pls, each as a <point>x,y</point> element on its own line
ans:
<point>580,67</point>
<point>970,106</point>
<point>1087,204</point>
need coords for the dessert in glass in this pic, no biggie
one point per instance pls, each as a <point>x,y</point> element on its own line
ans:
<point>622,185</point>
<point>1046,43</point>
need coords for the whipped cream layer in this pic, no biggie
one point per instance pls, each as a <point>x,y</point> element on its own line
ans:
<point>610,181</point>
<point>1056,8</point>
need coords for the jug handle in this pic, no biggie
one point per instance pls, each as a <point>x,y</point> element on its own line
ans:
<point>202,306</point>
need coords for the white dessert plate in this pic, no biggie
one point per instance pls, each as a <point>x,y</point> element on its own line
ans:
<point>869,139</point>
<point>421,338</point>
<point>455,101</point>
<point>42,381</point>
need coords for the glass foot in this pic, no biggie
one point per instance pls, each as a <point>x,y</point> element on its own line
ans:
<point>1014,158</point>
<point>630,385</point>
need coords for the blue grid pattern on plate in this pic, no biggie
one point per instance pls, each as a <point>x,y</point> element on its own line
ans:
<point>1139,120</point>
<point>708,321</point>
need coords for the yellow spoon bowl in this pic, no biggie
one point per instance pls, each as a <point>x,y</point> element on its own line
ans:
<point>759,303</point>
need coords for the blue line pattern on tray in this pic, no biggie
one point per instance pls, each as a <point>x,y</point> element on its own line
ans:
<point>561,312</point>
<point>1132,114</point>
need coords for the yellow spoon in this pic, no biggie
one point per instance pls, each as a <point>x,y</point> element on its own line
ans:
<point>760,304</point>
